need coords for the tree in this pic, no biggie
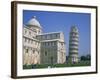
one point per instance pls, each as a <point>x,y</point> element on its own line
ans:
<point>86,57</point>
<point>83,58</point>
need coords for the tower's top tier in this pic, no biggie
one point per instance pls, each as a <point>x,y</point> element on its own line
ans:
<point>74,29</point>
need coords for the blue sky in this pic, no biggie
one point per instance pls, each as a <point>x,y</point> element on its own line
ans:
<point>62,21</point>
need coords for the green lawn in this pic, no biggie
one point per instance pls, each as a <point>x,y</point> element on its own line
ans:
<point>37,66</point>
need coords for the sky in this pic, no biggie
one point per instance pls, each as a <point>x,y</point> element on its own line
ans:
<point>62,21</point>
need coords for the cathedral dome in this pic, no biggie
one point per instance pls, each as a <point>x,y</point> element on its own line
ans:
<point>33,22</point>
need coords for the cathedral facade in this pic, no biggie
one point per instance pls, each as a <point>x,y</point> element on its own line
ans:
<point>42,48</point>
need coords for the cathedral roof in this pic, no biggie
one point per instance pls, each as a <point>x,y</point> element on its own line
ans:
<point>33,22</point>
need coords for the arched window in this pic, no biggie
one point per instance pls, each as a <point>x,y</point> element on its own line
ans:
<point>25,31</point>
<point>29,33</point>
<point>35,30</point>
<point>39,31</point>
<point>33,51</point>
<point>38,52</point>
<point>45,53</point>
<point>25,39</point>
<point>27,50</point>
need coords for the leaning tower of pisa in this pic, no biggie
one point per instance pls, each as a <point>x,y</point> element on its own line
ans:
<point>73,44</point>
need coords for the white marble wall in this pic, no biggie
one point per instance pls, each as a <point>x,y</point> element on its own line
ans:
<point>42,48</point>
<point>30,43</point>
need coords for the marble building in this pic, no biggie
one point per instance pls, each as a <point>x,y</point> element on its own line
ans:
<point>42,48</point>
<point>73,45</point>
